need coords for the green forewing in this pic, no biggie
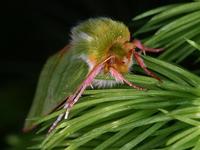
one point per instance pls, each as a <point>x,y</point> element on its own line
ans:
<point>60,76</point>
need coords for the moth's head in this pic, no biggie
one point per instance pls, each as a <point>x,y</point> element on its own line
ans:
<point>122,60</point>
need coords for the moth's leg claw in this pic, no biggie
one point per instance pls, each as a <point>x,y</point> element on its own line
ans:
<point>53,126</point>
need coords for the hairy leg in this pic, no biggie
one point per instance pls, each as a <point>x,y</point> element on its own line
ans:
<point>141,63</point>
<point>75,97</point>
<point>139,60</point>
<point>118,77</point>
<point>144,49</point>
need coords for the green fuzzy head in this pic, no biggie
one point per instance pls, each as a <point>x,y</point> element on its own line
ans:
<point>96,37</point>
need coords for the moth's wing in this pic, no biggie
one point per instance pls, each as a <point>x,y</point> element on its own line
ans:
<point>61,75</point>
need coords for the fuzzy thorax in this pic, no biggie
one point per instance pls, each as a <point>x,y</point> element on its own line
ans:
<point>98,39</point>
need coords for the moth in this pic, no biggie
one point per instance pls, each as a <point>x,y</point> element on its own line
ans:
<point>99,46</point>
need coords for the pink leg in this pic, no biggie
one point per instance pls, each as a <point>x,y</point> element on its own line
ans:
<point>75,97</point>
<point>118,77</point>
<point>141,63</point>
<point>144,49</point>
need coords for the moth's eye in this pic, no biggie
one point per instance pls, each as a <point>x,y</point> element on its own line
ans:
<point>125,60</point>
<point>137,50</point>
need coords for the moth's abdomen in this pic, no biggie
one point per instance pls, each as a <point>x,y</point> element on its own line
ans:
<point>94,37</point>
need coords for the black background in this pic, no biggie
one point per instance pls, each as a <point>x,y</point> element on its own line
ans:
<point>33,30</point>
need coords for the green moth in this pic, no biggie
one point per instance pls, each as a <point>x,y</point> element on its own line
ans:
<point>99,46</point>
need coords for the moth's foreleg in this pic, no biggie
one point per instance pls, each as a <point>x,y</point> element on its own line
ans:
<point>119,78</point>
<point>143,48</point>
<point>87,82</point>
<point>141,63</point>
<point>139,60</point>
<point>75,97</point>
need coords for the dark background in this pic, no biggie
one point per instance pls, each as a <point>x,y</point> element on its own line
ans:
<point>33,30</point>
